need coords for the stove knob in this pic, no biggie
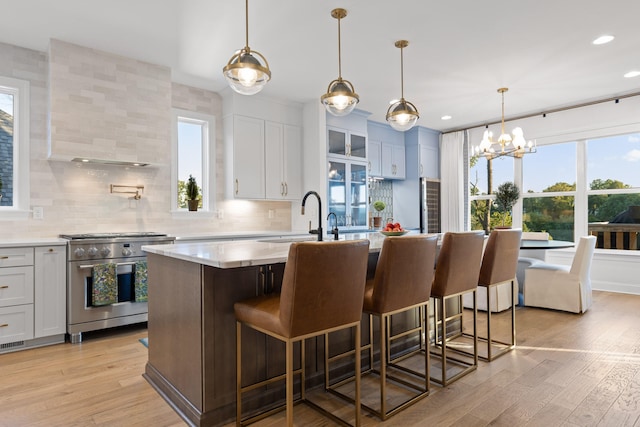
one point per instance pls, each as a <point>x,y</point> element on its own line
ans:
<point>93,251</point>
<point>126,252</point>
<point>79,252</point>
<point>105,252</point>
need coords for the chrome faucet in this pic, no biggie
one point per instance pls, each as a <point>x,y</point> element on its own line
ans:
<point>318,231</point>
<point>334,230</point>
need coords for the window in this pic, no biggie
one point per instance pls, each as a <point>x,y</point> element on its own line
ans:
<point>14,148</point>
<point>485,176</point>
<point>549,184</point>
<point>613,193</point>
<point>194,155</point>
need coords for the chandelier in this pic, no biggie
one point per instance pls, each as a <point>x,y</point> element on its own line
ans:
<point>402,114</point>
<point>341,97</point>
<point>247,72</point>
<point>506,145</point>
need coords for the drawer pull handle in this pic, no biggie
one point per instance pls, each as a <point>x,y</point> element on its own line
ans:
<point>4,325</point>
<point>4,287</point>
<point>4,257</point>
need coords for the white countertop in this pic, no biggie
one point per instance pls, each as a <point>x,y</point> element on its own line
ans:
<point>32,241</point>
<point>243,253</point>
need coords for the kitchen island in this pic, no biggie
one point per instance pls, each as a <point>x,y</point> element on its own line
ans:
<point>192,325</point>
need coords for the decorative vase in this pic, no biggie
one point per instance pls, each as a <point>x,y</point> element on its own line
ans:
<point>377,221</point>
<point>193,205</point>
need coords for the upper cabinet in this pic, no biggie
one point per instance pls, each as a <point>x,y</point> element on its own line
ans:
<point>346,144</point>
<point>265,158</point>
<point>375,158</point>
<point>283,160</point>
<point>386,160</point>
<point>422,153</point>
<point>107,107</point>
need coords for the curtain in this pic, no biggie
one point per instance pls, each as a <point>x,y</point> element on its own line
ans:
<point>452,179</point>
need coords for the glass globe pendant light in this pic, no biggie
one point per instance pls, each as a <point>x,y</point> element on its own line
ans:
<point>402,115</point>
<point>247,72</point>
<point>341,97</point>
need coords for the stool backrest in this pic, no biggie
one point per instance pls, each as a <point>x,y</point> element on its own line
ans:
<point>500,259</point>
<point>458,265</point>
<point>323,285</point>
<point>404,273</point>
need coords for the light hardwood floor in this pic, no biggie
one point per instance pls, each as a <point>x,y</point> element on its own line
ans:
<point>567,370</point>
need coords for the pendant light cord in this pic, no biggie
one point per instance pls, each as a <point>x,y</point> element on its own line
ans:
<point>502,130</point>
<point>401,73</point>
<point>246,23</point>
<point>339,53</point>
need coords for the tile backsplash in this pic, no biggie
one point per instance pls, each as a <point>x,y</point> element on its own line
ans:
<point>381,190</point>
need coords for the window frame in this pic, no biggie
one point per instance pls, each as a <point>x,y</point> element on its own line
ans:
<point>20,90</point>
<point>208,162</point>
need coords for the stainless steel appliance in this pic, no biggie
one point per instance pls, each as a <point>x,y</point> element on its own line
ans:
<point>87,251</point>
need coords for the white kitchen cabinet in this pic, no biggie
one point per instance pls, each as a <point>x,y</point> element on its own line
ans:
<point>393,162</point>
<point>266,159</point>
<point>245,146</point>
<point>374,154</point>
<point>50,277</point>
<point>16,295</point>
<point>283,161</point>
<point>33,294</point>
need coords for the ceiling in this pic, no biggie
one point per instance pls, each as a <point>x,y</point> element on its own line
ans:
<point>459,53</point>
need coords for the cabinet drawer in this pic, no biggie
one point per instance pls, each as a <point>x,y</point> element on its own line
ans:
<point>16,323</point>
<point>16,286</point>
<point>14,257</point>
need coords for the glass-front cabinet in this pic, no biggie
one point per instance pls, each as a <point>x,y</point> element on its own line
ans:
<point>346,144</point>
<point>347,192</point>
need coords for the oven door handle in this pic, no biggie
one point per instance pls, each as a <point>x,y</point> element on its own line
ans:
<point>117,265</point>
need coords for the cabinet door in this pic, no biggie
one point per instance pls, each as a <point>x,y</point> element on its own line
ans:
<point>429,167</point>
<point>375,158</point>
<point>16,323</point>
<point>50,291</point>
<point>337,190</point>
<point>358,195</point>
<point>274,160</point>
<point>399,170</point>
<point>292,162</point>
<point>248,158</point>
<point>16,286</point>
<point>387,161</point>
<point>357,146</point>
<point>337,142</point>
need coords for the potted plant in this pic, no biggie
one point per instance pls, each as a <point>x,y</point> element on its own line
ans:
<point>507,195</point>
<point>192,194</point>
<point>379,206</point>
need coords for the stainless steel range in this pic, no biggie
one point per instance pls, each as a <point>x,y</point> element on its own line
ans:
<point>106,280</point>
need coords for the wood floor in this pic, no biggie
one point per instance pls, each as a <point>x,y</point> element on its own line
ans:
<point>567,370</point>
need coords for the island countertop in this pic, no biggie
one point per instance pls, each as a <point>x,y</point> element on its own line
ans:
<point>244,253</point>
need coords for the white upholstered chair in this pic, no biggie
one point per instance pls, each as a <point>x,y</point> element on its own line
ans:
<point>562,287</point>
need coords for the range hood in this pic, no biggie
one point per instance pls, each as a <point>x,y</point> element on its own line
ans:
<point>109,162</point>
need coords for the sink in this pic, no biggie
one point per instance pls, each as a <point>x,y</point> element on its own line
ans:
<point>290,239</point>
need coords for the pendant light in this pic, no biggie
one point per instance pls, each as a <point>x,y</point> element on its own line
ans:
<point>247,72</point>
<point>341,97</point>
<point>402,115</point>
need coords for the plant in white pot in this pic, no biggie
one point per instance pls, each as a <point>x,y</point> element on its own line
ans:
<point>507,195</point>
<point>192,194</point>
<point>379,206</point>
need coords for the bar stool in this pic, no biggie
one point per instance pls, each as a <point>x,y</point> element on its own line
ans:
<point>402,282</point>
<point>457,271</point>
<point>499,266</point>
<point>322,291</point>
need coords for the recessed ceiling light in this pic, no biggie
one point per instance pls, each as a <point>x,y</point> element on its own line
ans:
<point>446,117</point>
<point>634,73</point>
<point>603,39</point>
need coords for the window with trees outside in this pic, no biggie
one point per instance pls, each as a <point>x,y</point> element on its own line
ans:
<point>194,146</point>
<point>589,186</point>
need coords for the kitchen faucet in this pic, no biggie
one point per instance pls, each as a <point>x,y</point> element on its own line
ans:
<point>334,231</point>
<point>304,200</point>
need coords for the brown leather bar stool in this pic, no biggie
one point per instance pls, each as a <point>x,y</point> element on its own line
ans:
<point>499,266</point>
<point>402,282</point>
<point>457,271</point>
<point>322,291</point>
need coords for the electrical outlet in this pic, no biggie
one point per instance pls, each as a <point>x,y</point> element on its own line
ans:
<point>38,212</point>
<point>272,213</point>
<point>220,214</point>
